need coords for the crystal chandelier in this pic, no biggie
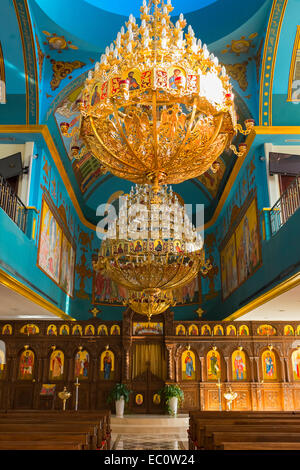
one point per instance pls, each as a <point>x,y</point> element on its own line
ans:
<point>151,249</point>
<point>158,108</point>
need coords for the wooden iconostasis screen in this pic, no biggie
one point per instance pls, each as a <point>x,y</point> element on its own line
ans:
<point>149,355</point>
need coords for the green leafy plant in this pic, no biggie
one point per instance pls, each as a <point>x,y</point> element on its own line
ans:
<point>119,390</point>
<point>171,391</point>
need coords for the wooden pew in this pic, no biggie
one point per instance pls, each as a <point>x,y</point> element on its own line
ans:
<point>218,438</point>
<point>204,431</point>
<point>101,419</point>
<point>206,417</point>
<point>260,446</point>
<point>25,445</point>
<point>36,437</point>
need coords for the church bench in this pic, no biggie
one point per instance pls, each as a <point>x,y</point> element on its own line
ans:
<point>58,428</point>
<point>260,446</point>
<point>218,438</point>
<point>200,425</point>
<point>104,416</point>
<point>102,428</point>
<point>46,445</point>
<point>204,434</point>
<point>83,439</point>
<point>210,417</point>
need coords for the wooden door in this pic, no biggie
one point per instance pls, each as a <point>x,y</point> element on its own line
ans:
<point>144,393</point>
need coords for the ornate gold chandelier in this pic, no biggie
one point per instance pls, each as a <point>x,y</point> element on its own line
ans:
<point>151,249</point>
<point>158,108</point>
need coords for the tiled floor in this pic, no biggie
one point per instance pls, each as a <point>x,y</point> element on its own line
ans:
<point>148,442</point>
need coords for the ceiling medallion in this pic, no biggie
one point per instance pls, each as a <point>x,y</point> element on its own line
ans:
<point>158,107</point>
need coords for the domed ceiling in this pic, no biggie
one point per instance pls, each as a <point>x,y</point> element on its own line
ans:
<point>71,36</point>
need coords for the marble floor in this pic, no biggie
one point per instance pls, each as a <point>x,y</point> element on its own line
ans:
<point>146,441</point>
<point>149,432</point>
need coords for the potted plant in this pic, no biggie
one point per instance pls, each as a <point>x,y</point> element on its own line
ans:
<point>120,395</point>
<point>173,397</point>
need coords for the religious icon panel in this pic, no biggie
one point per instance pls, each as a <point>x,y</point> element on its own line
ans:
<point>239,369</point>
<point>56,369</point>
<point>180,330</point>
<point>218,330</point>
<point>7,330</point>
<point>213,365</point>
<point>107,365</point>
<point>231,330</point>
<point>81,366</point>
<point>26,366</point>
<point>64,330</point>
<point>188,365</point>
<point>296,364</point>
<point>193,330</point>
<point>52,330</point>
<point>269,365</point>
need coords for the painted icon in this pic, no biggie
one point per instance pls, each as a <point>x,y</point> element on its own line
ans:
<point>239,371</point>
<point>180,330</point>
<point>26,365</point>
<point>269,365</point>
<point>296,364</point>
<point>81,366</point>
<point>188,365</point>
<point>64,330</point>
<point>51,330</point>
<point>213,365</point>
<point>107,365</point>
<point>193,330</point>
<point>56,369</point>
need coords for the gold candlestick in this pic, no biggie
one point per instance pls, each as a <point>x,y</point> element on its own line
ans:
<point>64,396</point>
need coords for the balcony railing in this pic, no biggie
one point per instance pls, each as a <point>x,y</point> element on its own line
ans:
<point>12,205</point>
<point>285,207</point>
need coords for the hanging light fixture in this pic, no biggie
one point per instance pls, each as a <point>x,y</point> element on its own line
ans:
<point>158,107</point>
<point>151,249</point>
